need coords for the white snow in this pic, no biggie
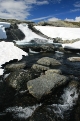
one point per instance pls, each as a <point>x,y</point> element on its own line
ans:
<point>29,35</point>
<point>3,25</point>
<point>65,33</point>
<point>9,52</point>
<point>75,45</point>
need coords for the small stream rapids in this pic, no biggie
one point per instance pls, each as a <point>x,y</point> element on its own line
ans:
<point>66,103</point>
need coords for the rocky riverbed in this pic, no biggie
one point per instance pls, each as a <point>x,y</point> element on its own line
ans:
<point>43,86</point>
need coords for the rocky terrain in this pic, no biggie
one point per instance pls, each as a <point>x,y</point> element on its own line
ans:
<point>43,86</point>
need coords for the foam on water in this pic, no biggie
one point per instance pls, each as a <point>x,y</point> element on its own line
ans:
<point>68,100</point>
<point>21,112</point>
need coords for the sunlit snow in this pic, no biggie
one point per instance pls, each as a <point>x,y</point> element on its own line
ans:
<point>9,52</point>
<point>65,33</point>
<point>29,35</point>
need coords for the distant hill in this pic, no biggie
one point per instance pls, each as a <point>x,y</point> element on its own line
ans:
<point>59,23</point>
<point>12,21</point>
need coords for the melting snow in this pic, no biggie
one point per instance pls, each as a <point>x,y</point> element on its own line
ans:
<point>29,35</point>
<point>9,52</point>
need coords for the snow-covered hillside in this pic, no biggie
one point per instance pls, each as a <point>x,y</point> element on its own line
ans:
<point>63,32</point>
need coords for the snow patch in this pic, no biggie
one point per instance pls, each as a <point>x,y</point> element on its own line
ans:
<point>65,33</point>
<point>9,52</point>
<point>75,45</point>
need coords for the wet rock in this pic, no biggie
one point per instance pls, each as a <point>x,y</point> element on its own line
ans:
<point>43,114</point>
<point>38,47</point>
<point>74,101</point>
<point>15,66</point>
<point>59,110</point>
<point>6,95</point>
<point>74,59</point>
<point>77,111</point>
<point>14,34</point>
<point>45,83</point>
<point>51,71</point>
<point>38,67</point>
<point>48,61</point>
<point>18,79</point>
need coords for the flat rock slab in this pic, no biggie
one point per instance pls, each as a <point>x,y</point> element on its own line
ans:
<point>39,67</point>
<point>43,84</point>
<point>15,66</point>
<point>74,59</point>
<point>51,71</point>
<point>18,79</point>
<point>48,61</point>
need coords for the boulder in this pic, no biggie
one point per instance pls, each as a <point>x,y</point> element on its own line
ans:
<point>15,66</point>
<point>48,61</point>
<point>38,47</point>
<point>19,78</point>
<point>52,112</point>
<point>38,67</point>
<point>52,71</point>
<point>74,59</point>
<point>45,83</point>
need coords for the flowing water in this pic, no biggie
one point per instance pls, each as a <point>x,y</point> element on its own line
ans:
<point>67,100</point>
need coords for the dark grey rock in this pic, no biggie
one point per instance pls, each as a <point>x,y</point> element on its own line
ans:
<point>38,47</point>
<point>6,95</point>
<point>52,111</point>
<point>74,59</point>
<point>48,61</point>
<point>15,66</point>
<point>43,84</point>
<point>52,71</point>
<point>43,114</point>
<point>38,67</point>
<point>13,33</point>
<point>19,78</point>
